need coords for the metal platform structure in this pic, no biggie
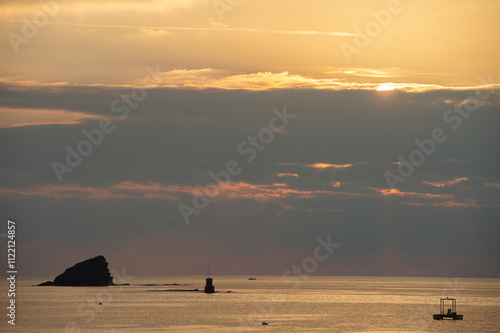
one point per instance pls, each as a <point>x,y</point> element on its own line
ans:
<point>209,287</point>
<point>451,313</point>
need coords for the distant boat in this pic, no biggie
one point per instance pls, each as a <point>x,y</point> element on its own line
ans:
<point>451,304</point>
<point>252,278</point>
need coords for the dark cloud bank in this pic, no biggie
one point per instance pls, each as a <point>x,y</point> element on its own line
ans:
<point>175,137</point>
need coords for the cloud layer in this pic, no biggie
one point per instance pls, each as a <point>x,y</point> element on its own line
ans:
<point>323,174</point>
<point>114,114</point>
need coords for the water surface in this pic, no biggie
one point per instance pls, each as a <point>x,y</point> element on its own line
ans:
<point>315,304</point>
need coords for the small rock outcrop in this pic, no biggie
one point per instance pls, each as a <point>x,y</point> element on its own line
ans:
<point>91,272</point>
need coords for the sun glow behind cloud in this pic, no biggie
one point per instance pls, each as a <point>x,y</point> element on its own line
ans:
<point>208,78</point>
<point>221,79</point>
<point>385,87</point>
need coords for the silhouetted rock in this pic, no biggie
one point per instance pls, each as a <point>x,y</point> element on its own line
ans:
<point>46,283</point>
<point>91,272</point>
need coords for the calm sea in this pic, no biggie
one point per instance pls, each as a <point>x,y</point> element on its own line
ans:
<point>315,304</point>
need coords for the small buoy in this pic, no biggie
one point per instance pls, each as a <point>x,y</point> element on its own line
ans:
<point>264,323</point>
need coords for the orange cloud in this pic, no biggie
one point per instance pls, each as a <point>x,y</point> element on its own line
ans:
<point>454,203</point>
<point>417,204</point>
<point>450,203</point>
<point>398,193</point>
<point>213,78</point>
<point>121,190</point>
<point>328,165</point>
<point>287,208</point>
<point>12,117</point>
<point>493,185</point>
<point>369,72</point>
<point>272,193</point>
<point>321,165</point>
<point>209,78</point>
<point>450,200</point>
<point>241,190</point>
<point>152,190</point>
<point>446,183</point>
<point>287,174</point>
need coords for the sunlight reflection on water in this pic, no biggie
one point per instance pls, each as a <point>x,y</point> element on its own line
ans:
<point>320,304</point>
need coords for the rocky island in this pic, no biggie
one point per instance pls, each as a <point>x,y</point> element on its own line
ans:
<point>92,272</point>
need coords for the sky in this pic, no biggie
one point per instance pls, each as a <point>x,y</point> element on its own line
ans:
<point>260,137</point>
